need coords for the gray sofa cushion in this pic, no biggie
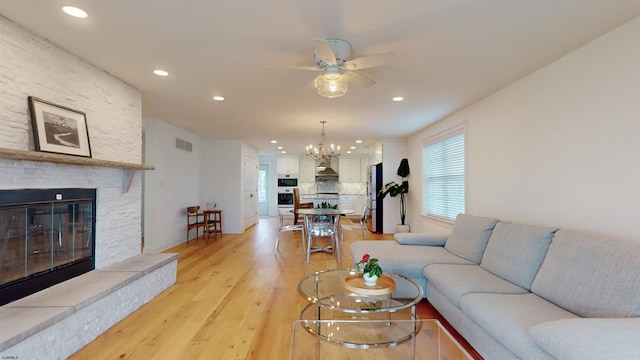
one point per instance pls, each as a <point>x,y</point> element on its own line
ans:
<point>594,338</point>
<point>591,277</point>
<point>515,252</point>
<point>508,317</point>
<point>469,236</point>
<point>455,281</point>
<point>406,260</point>
<point>425,239</point>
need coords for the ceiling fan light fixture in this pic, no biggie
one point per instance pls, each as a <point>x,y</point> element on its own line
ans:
<point>75,12</point>
<point>332,84</point>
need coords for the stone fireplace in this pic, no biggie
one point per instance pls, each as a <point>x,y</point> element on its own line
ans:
<point>47,236</point>
<point>123,279</point>
<point>62,318</point>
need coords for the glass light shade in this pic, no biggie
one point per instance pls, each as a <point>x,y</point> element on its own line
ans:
<point>332,85</point>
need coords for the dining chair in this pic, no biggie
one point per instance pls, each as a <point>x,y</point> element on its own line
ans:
<point>288,227</point>
<point>195,220</point>
<point>322,226</point>
<point>362,226</point>
<point>297,205</point>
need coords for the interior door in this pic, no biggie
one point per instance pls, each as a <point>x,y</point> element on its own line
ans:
<point>250,191</point>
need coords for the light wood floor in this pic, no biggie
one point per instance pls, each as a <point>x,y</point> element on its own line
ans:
<point>235,298</point>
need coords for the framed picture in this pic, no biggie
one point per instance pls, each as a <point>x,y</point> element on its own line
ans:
<point>58,129</point>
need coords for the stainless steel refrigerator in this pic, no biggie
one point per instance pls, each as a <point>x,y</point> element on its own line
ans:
<point>375,202</point>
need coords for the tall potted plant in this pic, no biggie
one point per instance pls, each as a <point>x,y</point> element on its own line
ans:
<point>394,189</point>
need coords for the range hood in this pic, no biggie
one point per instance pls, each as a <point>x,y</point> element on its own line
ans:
<point>325,173</point>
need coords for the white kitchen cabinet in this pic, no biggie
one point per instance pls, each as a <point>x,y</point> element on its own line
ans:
<point>288,165</point>
<point>359,202</point>
<point>307,170</point>
<point>346,202</point>
<point>349,170</point>
<point>354,169</point>
<point>364,169</point>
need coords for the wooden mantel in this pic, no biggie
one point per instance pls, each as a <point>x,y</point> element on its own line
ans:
<point>128,169</point>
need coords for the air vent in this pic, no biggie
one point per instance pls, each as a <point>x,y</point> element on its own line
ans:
<point>183,145</point>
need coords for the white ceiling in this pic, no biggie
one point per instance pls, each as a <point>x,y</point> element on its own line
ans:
<point>451,53</point>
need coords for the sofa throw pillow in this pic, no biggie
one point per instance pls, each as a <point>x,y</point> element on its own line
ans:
<point>515,252</point>
<point>469,236</point>
<point>590,276</point>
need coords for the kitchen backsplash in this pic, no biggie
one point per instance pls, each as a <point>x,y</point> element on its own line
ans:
<point>351,188</point>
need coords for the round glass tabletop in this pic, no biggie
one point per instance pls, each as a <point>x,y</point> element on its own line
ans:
<point>327,289</point>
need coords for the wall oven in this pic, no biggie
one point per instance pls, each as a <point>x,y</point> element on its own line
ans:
<point>287,180</point>
<point>286,184</point>
<point>285,197</point>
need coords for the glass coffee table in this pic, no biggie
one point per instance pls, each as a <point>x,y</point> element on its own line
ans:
<point>328,290</point>
<point>345,320</point>
<point>332,296</point>
<point>370,339</point>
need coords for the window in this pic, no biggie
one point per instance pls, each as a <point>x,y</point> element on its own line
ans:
<point>443,158</point>
<point>262,186</point>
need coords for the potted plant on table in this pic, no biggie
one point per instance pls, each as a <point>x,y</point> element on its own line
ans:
<point>371,270</point>
<point>394,189</point>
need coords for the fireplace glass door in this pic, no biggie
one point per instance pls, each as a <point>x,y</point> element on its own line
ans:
<point>40,238</point>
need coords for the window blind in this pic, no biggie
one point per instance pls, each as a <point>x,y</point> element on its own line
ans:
<point>443,195</point>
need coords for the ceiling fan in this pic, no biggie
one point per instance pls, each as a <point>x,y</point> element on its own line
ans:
<point>333,58</point>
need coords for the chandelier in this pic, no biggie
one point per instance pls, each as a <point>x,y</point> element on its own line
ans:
<point>321,153</point>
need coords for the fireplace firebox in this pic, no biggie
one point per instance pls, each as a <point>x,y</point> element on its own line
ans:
<point>48,238</point>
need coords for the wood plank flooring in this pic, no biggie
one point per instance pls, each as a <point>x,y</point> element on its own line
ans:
<point>235,298</point>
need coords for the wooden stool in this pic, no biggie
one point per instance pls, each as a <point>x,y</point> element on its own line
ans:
<point>195,220</point>
<point>213,219</point>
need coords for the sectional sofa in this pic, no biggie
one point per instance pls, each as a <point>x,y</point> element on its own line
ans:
<point>517,291</point>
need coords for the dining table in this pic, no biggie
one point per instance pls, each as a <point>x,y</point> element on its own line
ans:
<point>323,222</point>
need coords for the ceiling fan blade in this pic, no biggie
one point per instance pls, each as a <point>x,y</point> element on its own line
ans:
<point>370,61</point>
<point>360,79</point>
<point>324,51</point>
<point>295,67</point>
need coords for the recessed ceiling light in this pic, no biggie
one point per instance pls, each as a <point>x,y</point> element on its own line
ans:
<point>358,141</point>
<point>353,148</point>
<point>75,12</point>
<point>279,148</point>
<point>398,98</point>
<point>283,152</point>
<point>218,98</point>
<point>348,151</point>
<point>160,72</point>
<point>274,141</point>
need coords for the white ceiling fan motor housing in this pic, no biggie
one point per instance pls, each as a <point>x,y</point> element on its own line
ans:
<point>341,49</point>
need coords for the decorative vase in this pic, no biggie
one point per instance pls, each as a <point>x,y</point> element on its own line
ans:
<point>403,228</point>
<point>370,280</point>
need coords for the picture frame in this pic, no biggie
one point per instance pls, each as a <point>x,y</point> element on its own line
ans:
<point>59,129</point>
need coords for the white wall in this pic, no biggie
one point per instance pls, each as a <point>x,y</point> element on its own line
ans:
<point>212,172</point>
<point>171,187</point>
<point>31,65</point>
<point>220,181</point>
<point>560,147</point>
